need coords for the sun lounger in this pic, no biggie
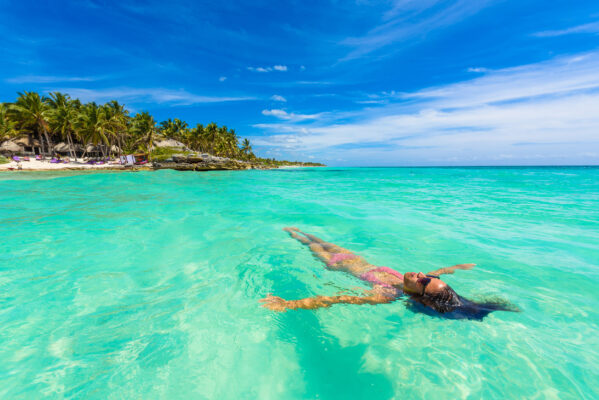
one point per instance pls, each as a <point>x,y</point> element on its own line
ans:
<point>54,161</point>
<point>38,157</point>
<point>25,158</point>
<point>15,158</point>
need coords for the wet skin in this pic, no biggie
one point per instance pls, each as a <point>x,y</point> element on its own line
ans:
<point>412,283</point>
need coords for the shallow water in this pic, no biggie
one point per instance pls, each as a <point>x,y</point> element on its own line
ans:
<point>145,285</point>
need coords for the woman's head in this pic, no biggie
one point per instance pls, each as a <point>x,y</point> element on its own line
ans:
<point>432,292</point>
<point>417,283</point>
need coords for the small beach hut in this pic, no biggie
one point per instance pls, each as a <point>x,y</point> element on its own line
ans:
<point>29,145</point>
<point>10,147</point>
<point>63,148</point>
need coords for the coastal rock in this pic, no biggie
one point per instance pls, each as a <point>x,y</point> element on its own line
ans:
<point>205,162</point>
<point>172,143</point>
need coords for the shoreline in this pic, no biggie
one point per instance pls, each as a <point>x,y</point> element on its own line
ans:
<point>37,165</point>
<point>47,166</point>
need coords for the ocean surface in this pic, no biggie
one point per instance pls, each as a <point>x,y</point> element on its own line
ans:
<point>146,285</point>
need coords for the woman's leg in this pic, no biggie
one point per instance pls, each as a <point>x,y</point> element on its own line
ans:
<point>330,247</point>
<point>316,248</point>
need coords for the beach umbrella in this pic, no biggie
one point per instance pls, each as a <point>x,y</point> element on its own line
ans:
<point>24,141</point>
<point>10,147</point>
<point>61,147</point>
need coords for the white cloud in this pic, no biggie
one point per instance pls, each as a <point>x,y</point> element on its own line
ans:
<point>222,79</point>
<point>281,68</point>
<point>592,27</point>
<point>282,114</point>
<point>538,113</point>
<point>477,69</point>
<point>260,69</point>
<point>50,79</point>
<point>147,95</point>
<point>409,20</point>
<point>276,97</point>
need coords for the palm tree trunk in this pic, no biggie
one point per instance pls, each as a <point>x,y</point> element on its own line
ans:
<point>71,146</point>
<point>41,143</point>
<point>47,139</point>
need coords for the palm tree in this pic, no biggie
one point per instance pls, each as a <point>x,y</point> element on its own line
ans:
<point>30,111</point>
<point>7,127</point>
<point>144,126</point>
<point>174,129</point>
<point>118,118</point>
<point>94,126</point>
<point>210,136</point>
<point>246,148</point>
<point>62,117</point>
<point>196,139</point>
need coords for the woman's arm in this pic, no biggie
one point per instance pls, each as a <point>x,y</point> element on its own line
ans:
<point>278,304</point>
<point>451,270</point>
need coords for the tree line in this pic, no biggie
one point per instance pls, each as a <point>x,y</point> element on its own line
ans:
<point>109,127</point>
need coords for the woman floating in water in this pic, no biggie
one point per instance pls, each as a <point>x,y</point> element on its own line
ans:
<point>427,290</point>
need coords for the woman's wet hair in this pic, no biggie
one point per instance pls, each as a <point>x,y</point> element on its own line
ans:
<point>452,305</point>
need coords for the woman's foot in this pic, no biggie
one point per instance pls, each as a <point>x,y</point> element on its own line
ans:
<point>290,229</point>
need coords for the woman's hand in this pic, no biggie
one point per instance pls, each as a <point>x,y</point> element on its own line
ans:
<point>452,269</point>
<point>274,303</point>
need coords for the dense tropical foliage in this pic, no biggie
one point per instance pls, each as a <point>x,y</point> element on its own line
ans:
<point>108,127</point>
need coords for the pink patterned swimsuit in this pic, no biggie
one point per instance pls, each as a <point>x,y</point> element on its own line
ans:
<point>368,276</point>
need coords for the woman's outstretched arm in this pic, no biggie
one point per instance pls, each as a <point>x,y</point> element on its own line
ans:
<point>451,270</point>
<point>278,304</point>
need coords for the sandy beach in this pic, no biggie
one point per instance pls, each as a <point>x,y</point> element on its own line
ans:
<point>46,165</point>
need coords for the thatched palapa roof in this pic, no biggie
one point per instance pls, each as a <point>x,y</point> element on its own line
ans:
<point>63,147</point>
<point>10,147</point>
<point>25,142</point>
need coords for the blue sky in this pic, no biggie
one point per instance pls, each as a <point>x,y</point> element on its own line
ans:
<point>398,82</point>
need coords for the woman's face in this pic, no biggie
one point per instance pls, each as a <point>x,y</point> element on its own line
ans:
<point>419,283</point>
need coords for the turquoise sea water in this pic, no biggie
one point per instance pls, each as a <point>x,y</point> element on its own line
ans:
<point>146,285</point>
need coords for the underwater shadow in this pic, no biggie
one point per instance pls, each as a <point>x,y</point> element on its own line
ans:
<point>330,371</point>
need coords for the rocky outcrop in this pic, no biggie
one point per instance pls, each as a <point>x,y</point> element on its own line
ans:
<point>171,143</point>
<point>205,162</point>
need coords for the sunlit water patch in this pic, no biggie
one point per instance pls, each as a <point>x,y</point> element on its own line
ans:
<point>146,285</point>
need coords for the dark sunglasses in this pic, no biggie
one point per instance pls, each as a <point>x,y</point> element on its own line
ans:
<point>426,281</point>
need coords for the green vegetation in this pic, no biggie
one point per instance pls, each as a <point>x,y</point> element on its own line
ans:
<point>111,129</point>
<point>4,160</point>
<point>164,153</point>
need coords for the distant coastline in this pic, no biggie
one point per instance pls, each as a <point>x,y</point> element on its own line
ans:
<point>56,132</point>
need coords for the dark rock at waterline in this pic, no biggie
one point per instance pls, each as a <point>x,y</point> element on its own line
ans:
<point>205,162</point>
